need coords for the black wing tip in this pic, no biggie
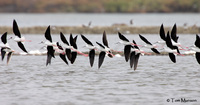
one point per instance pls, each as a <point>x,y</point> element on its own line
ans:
<point>22,47</point>
<point>14,21</point>
<point>61,33</point>
<point>174,24</point>
<point>92,57</point>
<point>5,33</point>
<point>155,50</point>
<point>119,33</point>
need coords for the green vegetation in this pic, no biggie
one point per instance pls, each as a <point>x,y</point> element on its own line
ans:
<point>127,6</point>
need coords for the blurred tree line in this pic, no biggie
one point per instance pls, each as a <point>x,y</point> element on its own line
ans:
<point>90,6</point>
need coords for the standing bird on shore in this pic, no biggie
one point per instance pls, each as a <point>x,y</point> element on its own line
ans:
<point>5,48</point>
<point>149,44</point>
<point>91,47</point>
<point>104,50</point>
<point>18,38</point>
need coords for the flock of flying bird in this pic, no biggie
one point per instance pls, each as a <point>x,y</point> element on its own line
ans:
<point>132,52</point>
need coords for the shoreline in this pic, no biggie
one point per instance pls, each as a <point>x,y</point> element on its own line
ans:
<point>99,29</point>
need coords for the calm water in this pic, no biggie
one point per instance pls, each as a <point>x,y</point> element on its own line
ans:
<point>27,81</point>
<point>59,19</point>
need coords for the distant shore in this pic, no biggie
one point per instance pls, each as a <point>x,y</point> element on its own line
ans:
<point>99,29</point>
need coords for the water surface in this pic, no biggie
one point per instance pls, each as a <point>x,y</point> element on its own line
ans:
<point>28,81</point>
<point>99,19</point>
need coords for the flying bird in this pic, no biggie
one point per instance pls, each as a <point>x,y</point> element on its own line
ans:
<point>66,46</point>
<point>5,48</point>
<point>162,36</point>
<point>171,49</point>
<point>149,44</point>
<point>74,49</point>
<point>134,55</point>
<point>61,53</point>
<point>18,38</point>
<point>196,48</point>
<point>174,38</point>
<point>91,47</point>
<point>50,46</point>
<point>104,50</point>
<point>127,46</point>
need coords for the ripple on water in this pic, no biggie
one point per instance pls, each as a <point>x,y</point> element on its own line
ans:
<point>155,80</point>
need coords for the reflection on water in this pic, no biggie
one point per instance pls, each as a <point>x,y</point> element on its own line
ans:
<point>26,80</point>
